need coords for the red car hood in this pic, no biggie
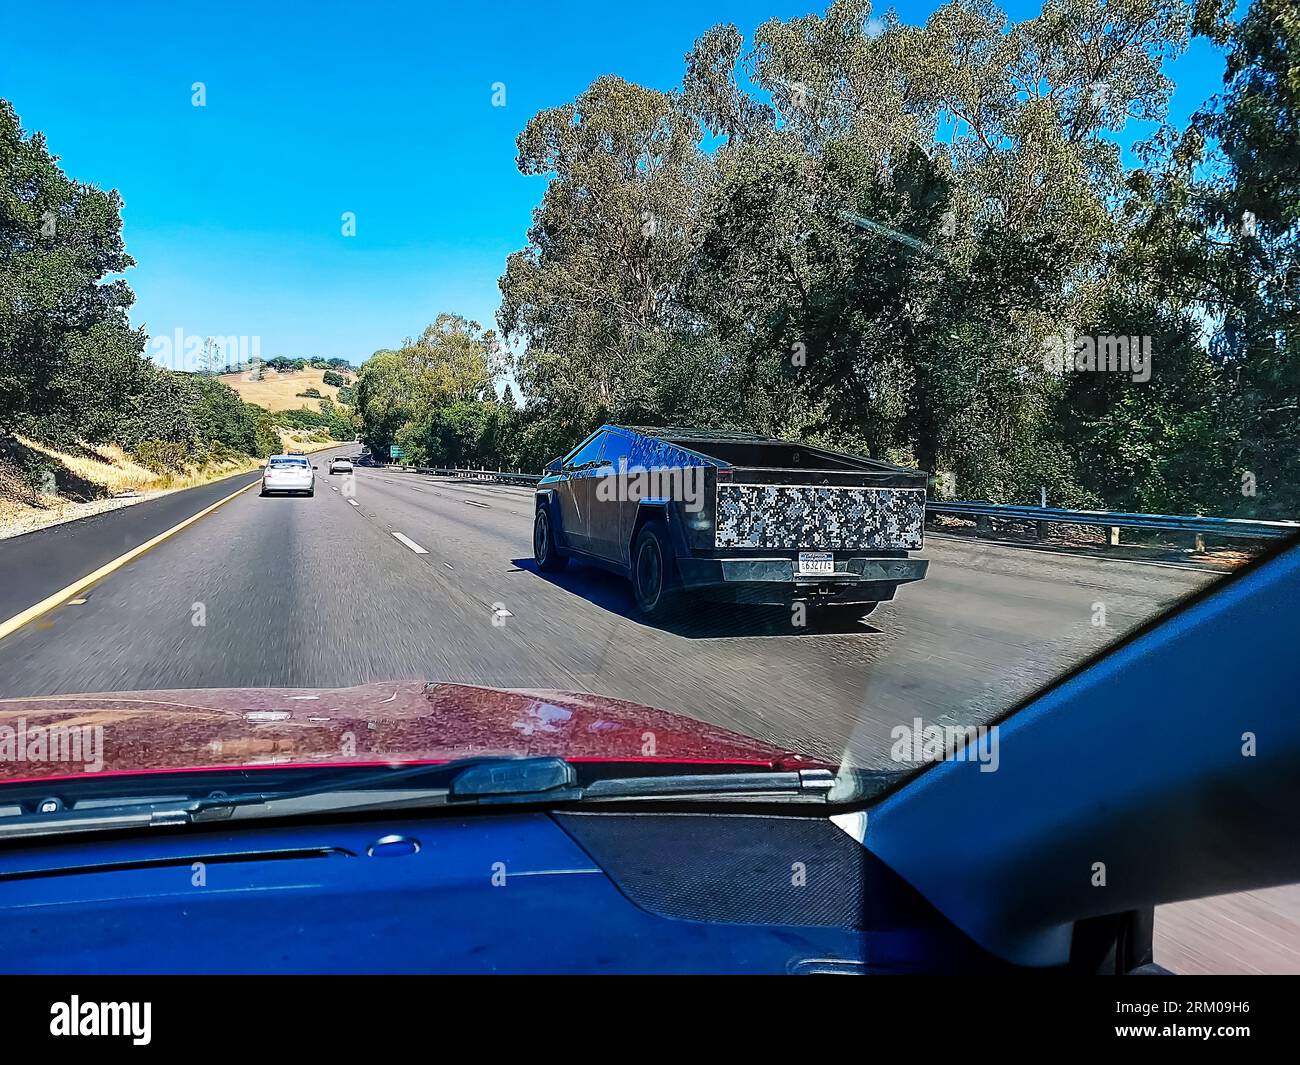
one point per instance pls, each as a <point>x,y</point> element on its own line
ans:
<point>407,721</point>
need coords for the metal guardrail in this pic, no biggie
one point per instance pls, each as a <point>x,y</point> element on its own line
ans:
<point>497,476</point>
<point>1114,520</point>
<point>1245,528</point>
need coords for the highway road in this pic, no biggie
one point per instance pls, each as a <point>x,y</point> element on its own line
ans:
<point>432,578</point>
<point>325,592</point>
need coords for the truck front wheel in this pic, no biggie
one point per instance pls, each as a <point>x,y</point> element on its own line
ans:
<point>545,553</point>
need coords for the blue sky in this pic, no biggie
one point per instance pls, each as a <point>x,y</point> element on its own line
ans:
<point>233,210</point>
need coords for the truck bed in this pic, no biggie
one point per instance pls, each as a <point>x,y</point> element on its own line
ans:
<point>785,496</point>
<point>819,517</point>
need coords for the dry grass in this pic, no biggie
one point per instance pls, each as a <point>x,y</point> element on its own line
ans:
<point>106,477</point>
<point>280,391</point>
<point>106,465</point>
<point>291,441</point>
<point>193,476</point>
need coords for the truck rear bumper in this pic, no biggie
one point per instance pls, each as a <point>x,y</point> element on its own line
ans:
<point>775,580</point>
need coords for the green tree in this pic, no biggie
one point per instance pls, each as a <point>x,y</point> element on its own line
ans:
<point>873,259</point>
<point>452,362</point>
<point>66,345</point>
<point>1251,191</point>
<point>593,294</point>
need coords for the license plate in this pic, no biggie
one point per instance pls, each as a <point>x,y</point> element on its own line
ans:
<point>816,562</point>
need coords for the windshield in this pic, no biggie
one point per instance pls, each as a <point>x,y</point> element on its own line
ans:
<point>904,361</point>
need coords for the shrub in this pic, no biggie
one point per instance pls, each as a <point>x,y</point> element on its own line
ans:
<point>164,456</point>
<point>40,477</point>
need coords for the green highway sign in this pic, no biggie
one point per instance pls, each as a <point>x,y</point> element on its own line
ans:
<point>394,452</point>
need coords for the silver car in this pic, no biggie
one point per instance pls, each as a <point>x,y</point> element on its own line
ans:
<point>289,473</point>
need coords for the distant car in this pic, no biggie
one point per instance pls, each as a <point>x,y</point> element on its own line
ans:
<point>340,465</point>
<point>290,474</point>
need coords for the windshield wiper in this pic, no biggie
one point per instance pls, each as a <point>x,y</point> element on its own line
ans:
<point>530,780</point>
<point>471,782</point>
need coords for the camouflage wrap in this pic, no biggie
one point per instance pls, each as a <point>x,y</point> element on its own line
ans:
<point>814,518</point>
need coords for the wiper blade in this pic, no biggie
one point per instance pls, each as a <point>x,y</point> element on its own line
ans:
<point>804,783</point>
<point>472,782</point>
<point>553,781</point>
<point>480,775</point>
<point>850,786</point>
<point>373,790</point>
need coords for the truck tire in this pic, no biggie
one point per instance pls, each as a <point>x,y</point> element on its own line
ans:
<point>654,574</point>
<point>548,557</point>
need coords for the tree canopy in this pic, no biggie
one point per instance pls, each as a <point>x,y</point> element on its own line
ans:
<point>860,232</point>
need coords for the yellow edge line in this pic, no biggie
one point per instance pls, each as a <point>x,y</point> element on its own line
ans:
<point>8,628</point>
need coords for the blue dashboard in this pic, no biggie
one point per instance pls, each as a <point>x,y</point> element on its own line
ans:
<point>510,892</point>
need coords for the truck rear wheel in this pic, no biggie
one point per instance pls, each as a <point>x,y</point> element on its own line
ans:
<point>653,574</point>
<point>545,553</point>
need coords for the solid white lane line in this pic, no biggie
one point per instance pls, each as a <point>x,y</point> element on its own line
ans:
<point>411,544</point>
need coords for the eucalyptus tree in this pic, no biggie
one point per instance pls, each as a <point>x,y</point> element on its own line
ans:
<point>67,350</point>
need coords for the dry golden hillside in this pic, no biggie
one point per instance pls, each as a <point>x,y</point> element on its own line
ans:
<point>92,479</point>
<point>279,391</point>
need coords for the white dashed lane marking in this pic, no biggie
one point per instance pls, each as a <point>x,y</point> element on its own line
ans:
<point>411,544</point>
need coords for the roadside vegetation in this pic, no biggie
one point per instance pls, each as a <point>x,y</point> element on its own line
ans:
<point>43,485</point>
<point>434,397</point>
<point>84,415</point>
